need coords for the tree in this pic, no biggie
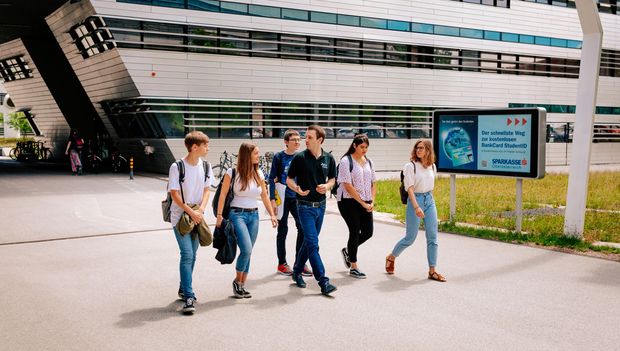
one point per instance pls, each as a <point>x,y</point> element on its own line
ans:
<point>18,121</point>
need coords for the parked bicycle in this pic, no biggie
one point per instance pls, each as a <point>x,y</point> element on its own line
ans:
<point>264,162</point>
<point>118,163</point>
<point>30,150</point>
<point>93,162</point>
<point>45,153</point>
<point>226,161</point>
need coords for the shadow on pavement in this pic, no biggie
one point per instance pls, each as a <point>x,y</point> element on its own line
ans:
<point>529,263</point>
<point>611,272</point>
<point>139,318</point>
<point>393,283</point>
<point>10,167</point>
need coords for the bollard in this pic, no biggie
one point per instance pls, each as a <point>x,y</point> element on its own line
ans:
<point>131,168</point>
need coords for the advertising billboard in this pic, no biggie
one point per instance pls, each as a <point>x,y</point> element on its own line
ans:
<point>503,142</point>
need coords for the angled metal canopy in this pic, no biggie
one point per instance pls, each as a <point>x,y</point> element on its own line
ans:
<point>23,18</point>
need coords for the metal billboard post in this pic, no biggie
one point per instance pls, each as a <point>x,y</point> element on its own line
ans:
<point>452,197</point>
<point>587,87</point>
<point>519,205</point>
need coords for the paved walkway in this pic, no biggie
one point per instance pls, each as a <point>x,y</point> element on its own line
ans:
<point>87,264</point>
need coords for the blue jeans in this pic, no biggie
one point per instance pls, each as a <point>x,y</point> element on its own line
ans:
<point>290,205</point>
<point>427,203</point>
<point>311,220</point>
<point>188,248</point>
<point>246,228</point>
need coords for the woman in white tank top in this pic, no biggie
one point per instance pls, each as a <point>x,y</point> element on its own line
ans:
<point>248,185</point>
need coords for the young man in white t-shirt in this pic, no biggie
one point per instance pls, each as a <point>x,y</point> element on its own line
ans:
<point>195,192</point>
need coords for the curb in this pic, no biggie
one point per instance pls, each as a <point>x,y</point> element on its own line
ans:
<point>606,244</point>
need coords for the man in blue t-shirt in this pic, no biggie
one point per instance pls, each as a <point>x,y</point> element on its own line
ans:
<point>279,171</point>
<point>311,175</point>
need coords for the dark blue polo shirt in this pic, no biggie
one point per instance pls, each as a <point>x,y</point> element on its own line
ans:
<point>309,171</point>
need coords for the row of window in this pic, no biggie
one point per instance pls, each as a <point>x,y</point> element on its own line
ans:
<point>91,37</point>
<point>14,68</point>
<point>602,132</point>
<point>497,3</point>
<point>604,6</point>
<point>357,21</point>
<point>173,118</point>
<point>600,110</point>
<point>159,118</point>
<point>176,37</point>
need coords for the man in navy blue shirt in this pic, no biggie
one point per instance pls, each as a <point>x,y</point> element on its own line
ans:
<point>311,176</point>
<point>278,173</point>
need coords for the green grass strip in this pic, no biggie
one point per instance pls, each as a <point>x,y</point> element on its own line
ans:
<point>489,202</point>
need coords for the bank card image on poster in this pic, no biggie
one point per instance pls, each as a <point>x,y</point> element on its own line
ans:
<point>458,141</point>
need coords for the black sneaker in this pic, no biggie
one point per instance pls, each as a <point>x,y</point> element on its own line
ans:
<point>246,294</point>
<point>189,308</point>
<point>237,290</point>
<point>299,281</point>
<point>355,273</point>
<point>180,294</point>
<point>345,257</point>
<point>328,289</point>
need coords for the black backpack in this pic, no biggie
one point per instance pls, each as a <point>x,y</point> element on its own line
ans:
<point>334,190</point>
<point>229,197</point>
<point>401,190</point>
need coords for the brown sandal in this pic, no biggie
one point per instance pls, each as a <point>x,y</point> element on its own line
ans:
<point>389,265</point>
<point>436,276</point>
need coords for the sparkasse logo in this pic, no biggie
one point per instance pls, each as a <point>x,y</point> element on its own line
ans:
<point>508,162</point>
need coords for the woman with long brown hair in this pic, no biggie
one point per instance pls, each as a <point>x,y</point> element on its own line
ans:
<point>419,181</point>
<point>248,184</point>
<point>356,196</point>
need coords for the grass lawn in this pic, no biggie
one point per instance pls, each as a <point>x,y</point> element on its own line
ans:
<point>490,202</point>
